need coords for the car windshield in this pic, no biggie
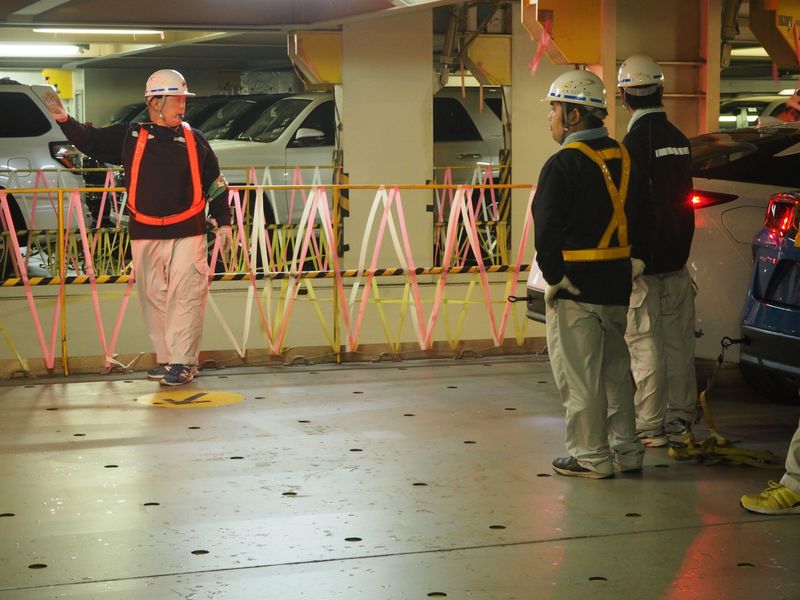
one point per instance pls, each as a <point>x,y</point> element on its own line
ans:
<point>273,122</point>
<point>219,123</point>
<point>755,155</point>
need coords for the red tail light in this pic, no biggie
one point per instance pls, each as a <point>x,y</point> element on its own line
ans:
<point>782,214</point>
<point>700,199</point>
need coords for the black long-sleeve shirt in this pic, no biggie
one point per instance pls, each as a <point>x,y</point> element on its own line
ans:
<point>663,155</point>
<point>164,184</point>
<point>571,211</point>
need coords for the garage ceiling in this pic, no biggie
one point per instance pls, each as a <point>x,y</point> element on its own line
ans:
<point>215,34</point>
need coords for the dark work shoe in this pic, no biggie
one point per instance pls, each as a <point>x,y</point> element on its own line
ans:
<point>179,374</point>
<point>158,372</point>
<point>569,466</point>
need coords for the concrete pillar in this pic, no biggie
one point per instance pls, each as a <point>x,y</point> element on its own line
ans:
<point>386,107</point>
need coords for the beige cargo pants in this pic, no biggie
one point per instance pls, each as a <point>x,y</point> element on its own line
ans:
<point>172,283</point>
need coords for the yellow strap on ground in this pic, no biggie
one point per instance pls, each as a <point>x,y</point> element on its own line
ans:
<point>710,451</point>
<point>322,319</point>
<point>22,362</point>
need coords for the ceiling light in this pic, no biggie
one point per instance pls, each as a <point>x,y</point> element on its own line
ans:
<point>37,50</point>
<point>99,31</point>
<point>754,51</point>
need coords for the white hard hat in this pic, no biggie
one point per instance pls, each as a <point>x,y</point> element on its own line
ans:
<point>166,82</point>
<point>578,87</point>
<point>641,72</point>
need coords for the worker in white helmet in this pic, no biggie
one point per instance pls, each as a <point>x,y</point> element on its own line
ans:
<point>586,216</point>
<point>661,317</point>
<point>171,173</point>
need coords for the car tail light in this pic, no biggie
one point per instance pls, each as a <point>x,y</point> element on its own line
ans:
<point>782,214</point>
<point>700,199</point>
<point>67,154</point>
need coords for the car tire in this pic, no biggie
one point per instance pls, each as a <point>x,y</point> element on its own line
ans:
<point>771,385</point>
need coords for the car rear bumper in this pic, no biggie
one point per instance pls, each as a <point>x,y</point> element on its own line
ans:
<point>771,350</point>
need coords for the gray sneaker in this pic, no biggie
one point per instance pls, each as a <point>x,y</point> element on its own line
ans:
<point>653,439</point>
<point>678,430</point>
<point>179,374</point>
<point>158,372</point>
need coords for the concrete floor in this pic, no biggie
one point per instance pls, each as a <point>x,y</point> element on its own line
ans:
<point>416,480</point>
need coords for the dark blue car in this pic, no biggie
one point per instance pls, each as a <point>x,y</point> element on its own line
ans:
<point>770,357</point>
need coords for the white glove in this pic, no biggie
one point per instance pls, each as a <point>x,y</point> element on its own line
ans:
<point>54,105</point>
<point>225,235</point>
<point>551,290</point>
<point>637,268</point>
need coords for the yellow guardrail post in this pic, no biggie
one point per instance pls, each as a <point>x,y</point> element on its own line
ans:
<point>62,294</point>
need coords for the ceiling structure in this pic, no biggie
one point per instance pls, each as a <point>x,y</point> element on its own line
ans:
<point>226,34</point>
<point>215,34</point>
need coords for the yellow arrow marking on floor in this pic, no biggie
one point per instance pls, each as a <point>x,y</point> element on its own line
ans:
<point>190,399</point>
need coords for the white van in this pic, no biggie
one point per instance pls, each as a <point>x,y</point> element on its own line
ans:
<point>301,131</point>
<point>30,140</point>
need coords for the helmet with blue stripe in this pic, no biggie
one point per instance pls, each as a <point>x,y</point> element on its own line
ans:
<point>166,82</point>
<point>640,75</point>
<point>578,87</point>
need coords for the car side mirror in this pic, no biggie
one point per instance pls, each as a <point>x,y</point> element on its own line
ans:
<point>306,136</point>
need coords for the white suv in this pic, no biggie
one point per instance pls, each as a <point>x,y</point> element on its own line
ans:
<point>301,130</point>
<point>30,141</point>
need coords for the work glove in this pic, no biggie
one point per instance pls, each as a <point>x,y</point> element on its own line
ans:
<point>637,268</point>
<point>550,291</point>
<point>54,105</point>
<point>225,235</point>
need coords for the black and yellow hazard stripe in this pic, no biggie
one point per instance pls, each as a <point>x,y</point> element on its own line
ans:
<point>349,273</point>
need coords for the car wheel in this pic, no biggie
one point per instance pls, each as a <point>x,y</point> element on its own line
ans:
<point>771,385</point>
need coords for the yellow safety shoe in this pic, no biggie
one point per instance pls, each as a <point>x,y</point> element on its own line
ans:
<point>777,499</point>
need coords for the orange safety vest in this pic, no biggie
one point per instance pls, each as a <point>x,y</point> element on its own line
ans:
<point>198,201</point>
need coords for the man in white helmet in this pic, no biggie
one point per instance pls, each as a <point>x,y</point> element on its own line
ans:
<point>661,317</point>
<point>586,215</point>
<point>170,173</point>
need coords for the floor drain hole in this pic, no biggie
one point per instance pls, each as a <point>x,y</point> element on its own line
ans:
<point>662,466</point>
<point>470,442</point>
<point>358,392</point>
<point>290,494</point>
<point>128,381</point>
<point>37,566</point>
<point>352,539</point>
<point>51,409</point>
<point>78,434</point>
<point>304,421</point>
<point>541,382</point>
<point>6,514</point>
<point>356,450</point>
<point>110,466</point>
<point>199,552</point>
<point>237,457</point>
<point>437,595</point>
<point>409,415</point>
<point>417,483</point>
<point>497,526</point>
<point>543,474</point>
<point>452,387</point>
<point>30,386</point>
<point>193,427</point>
<point>510,408</point>
<point>745,564</point>
<point>152,504</point>
<point>598,578</point>
<point>633,515</point>
<point>260,397</point>
<point>222,376</point>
